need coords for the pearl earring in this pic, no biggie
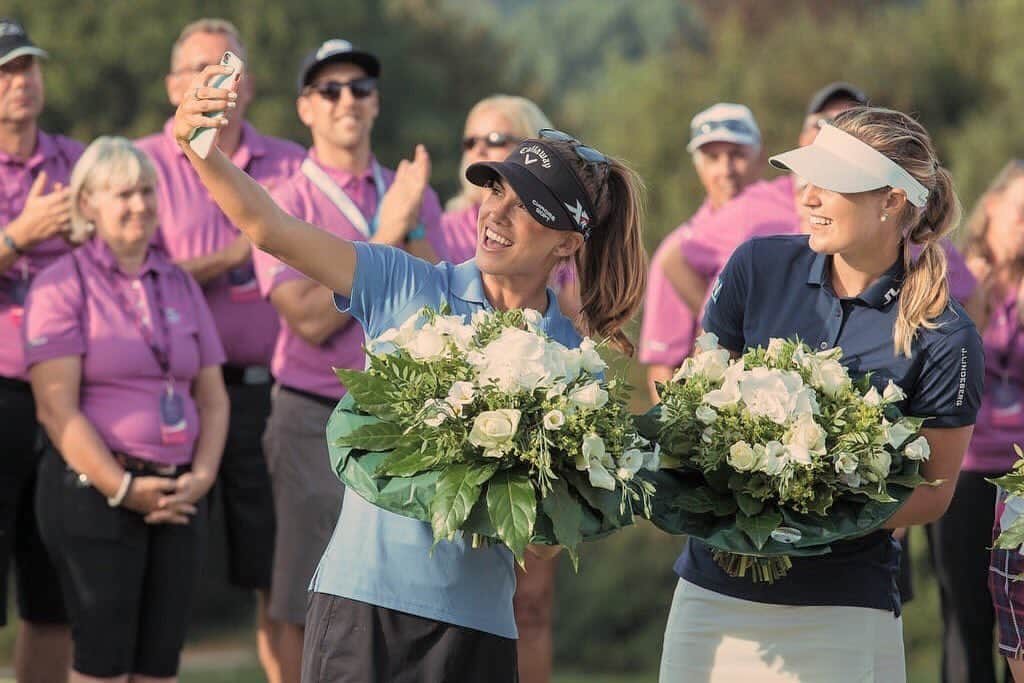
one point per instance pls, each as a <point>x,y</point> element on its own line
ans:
<point>885,217</point>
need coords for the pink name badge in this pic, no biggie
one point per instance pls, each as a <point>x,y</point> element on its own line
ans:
<point>244,286</point>
<point>173,426</point>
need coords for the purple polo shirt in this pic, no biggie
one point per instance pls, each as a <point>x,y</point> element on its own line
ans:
<point>669,326</point>
<point>57,156</point>
<point>1000,423</point>
<point>455,242</point>
<point>122,383</point>
<point>192,225</point>
<point>297,363</point>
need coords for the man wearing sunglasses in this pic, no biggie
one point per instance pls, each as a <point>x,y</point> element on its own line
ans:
<point>725,144</point>
<point>342,188</point>
<point>201,239</point>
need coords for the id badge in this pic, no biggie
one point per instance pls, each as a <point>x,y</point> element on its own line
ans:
<point>173,427</point>
<point>19,292</point>
<point>244,286</point>
<point>1007,410</point>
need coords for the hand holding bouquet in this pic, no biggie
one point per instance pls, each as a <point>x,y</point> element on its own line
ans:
<point>778,453</point>
<point>491,428</point>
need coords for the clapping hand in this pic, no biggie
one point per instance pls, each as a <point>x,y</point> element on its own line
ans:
<point>400,206</point>
<point>45,214</point>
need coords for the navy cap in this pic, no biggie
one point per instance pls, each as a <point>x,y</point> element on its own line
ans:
<point>336,50</point>
<point>839,90</point>
<point>14,42</point>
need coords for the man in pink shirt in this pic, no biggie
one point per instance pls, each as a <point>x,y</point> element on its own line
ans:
<point>342,188</point>
<point>726,146</point>
<point>34,218</point>
<point>201,240</point>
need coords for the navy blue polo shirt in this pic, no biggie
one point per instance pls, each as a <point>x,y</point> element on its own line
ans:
<point>779,287</point>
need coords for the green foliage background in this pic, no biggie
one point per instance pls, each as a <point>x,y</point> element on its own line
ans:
<point>625,76</point>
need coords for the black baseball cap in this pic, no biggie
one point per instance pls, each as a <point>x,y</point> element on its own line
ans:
<point>839,90</point>
<point>14,42</point>
<point>545,182</point>
<point>336,50</point>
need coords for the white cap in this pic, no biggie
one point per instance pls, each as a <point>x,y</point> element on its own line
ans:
<point>724,122</point>
<point>839,162</point>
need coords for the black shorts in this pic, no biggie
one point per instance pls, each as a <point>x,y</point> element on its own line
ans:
<point>128,585</point>
<point>348,641</point>
<point>39,598</point>
<point>243,484</point>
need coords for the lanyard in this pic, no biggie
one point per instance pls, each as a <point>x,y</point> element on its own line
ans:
<point>340,198</point>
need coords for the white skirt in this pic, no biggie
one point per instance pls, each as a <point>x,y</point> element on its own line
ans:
<point>715,638</point>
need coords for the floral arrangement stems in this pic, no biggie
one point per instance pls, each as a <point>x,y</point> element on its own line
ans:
<point>762,569</point>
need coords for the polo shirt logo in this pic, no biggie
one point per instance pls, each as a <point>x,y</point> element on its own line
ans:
<point>172,316</point>
<point>717,289</point>
<point>961,389</point>
<point>890,295</point>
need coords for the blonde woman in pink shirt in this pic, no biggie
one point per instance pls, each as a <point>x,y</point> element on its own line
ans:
<point>124,361</point>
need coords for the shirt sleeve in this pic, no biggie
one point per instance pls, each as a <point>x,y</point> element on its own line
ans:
<point>948,390</point>
<point>962,282</point>
<point>211,351</point>
<point>726,307</point>
<point>53,314</point>
<point>668,327</point>
<point>386,280</point>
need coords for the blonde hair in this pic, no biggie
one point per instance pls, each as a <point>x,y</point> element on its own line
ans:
<point>525,117</point>
<point>110,161</point>
<point>207,25</point>
<point>975,238</point>
<point>925,292</point>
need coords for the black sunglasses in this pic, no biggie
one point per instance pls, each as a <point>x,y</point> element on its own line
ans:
<point>588,154</point>
<point>331,90</point>
<point>492,139</point>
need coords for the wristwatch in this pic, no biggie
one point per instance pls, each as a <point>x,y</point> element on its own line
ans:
<point>10,243</point>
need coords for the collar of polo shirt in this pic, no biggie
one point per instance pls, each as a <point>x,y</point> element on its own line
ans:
<point>879,293</point>
<point>840,162</point>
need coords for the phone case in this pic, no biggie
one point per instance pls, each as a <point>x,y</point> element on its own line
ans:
<point>202,138</point>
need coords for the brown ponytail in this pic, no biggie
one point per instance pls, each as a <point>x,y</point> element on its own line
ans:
<point>925,292</point>
<point>612,264</point>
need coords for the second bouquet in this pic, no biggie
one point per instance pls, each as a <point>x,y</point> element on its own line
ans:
<point>491,429</point>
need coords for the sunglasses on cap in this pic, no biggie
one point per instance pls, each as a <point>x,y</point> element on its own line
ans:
<point>732,125</point>
<point>588,154</point>
<point>492,139</point>
<point>361,88</point>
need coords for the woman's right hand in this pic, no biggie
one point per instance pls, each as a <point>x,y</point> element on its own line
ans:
<point>200,99</point>
<point>145,494</point>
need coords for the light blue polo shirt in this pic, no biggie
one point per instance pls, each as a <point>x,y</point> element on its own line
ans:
<point>384,559</point>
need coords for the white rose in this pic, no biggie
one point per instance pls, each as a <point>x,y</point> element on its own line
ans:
<point>590,396</point>
<point>893,393</point>
<point>592,449</point>
<point>830,376</point>
<point>712,364</point>
<point>872,397</point>
<point>461,393</point>
<point>765,393</point>
<point>452,327</point>
<point>742,457</point>
<point>727,395</point>
<point>591,359</point>
<point>554,420</point>
<point>804,439</point>
<point>494,428</point>
<point>846,463</point>
<point>427,345</point>
<point>514,345</point>
<point>531,375</point>
<point>600,477</point>
<point>707,341</point>
<point>918,449</point>
<point>878,465</point>
<point>706,415</point>
<point>896,434</point>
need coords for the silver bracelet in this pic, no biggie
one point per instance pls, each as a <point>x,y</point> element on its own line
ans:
<point>122,491</point>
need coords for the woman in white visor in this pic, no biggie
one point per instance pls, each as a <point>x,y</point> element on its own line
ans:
<point>874,189</point>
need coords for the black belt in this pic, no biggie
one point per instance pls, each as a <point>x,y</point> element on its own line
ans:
<point>11,384</point>
<point>241,374</point>
<point>138,466</point>
<point>322,400</point>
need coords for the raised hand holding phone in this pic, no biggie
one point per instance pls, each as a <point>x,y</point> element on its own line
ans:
<point>203,137</point>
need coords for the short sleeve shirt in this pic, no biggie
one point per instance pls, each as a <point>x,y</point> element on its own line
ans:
<point>779,287</point>
<point>297,363</point>
<point>84,305</point>
<point>384,559</point>
<point>56,156</point>
<point>192,225</point>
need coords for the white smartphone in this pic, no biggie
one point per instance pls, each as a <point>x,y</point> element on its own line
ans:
<point>202,138</point>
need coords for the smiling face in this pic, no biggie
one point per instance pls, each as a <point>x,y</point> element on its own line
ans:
<point>511,243</point>
<point>725,169</point>
<point>1005,234</point>
<point>21,90</point>
<point>481,123</point>
<point>343,124</point>
<point>851,224</point>
<point>125,216</point>
<point>194,54</point>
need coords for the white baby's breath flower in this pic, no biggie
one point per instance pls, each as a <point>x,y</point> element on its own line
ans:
<point>872,397</point>
<point>590,396</point>
<point>495,428</point>
<point>893,393</point>
<point>706,415</point>
<point>707,341</point>
<point>918,449</point>
<point>554,420</point>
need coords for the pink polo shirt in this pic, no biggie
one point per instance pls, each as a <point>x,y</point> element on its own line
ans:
<point>56,156</point>
<point>122,382</point>
<point>192,225</point>
<point>669,326</point>
<point>297,363</point>
<point>455,242</point>
<point>1000,423</point>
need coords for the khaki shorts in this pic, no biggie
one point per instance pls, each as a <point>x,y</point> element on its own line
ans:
<point>307,497</point>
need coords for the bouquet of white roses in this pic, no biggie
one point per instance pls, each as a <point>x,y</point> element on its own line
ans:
<point>778,453</point>
<point>493,429</point>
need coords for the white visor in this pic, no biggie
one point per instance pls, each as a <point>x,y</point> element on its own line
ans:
<point>839,162</point>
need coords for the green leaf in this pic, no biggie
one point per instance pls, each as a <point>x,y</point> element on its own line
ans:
<point>369,391</point>
<point>748,504</point>
<point>407,462</point>
<point>759,528</point>
<point>457,490</point>
<point>512,506</point>
<point>381,436</point>
<point>566,515</point>
<point>1012,537</point>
